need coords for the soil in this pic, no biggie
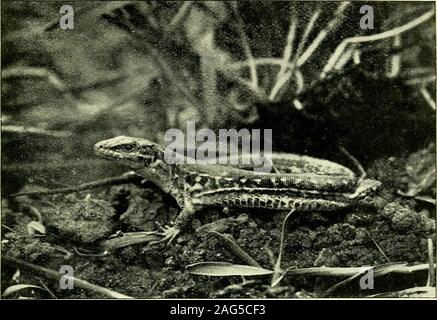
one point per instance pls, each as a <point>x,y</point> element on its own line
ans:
<point>394,228</point>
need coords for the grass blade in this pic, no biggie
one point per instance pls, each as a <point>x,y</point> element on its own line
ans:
<point>225,269</point>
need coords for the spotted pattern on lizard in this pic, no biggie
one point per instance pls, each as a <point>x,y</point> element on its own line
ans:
<point>304,183</point>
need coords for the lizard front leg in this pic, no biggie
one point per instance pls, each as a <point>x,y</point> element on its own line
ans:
<point>170,233</point>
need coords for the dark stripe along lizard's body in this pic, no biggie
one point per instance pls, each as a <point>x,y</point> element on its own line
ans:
<point>304,184</point>
<point>241,188</point>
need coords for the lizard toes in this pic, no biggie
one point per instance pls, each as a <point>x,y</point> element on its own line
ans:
<point>170,233</point>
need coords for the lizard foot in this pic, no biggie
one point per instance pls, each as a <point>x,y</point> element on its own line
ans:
<point>167,233</point>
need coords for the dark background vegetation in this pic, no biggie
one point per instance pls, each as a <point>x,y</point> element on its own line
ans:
<point>118,73</point>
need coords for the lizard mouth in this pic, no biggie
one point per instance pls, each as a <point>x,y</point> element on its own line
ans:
<point>105,153</point>
<point>101,151</point>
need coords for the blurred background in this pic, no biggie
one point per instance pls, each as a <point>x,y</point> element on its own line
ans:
<point>140,68</point>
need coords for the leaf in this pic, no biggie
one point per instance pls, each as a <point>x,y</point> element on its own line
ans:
<point>225,269</point>
<point>278,273</point>
<point>33,226</point>
<point>417,292</point>
<point>351,271</point>
<point>384,269</point>
<point>378,271</point>
<point>18,287</point>
<point>277,277</point>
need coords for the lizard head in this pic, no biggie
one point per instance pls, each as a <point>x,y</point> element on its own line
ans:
<point>137,153</point>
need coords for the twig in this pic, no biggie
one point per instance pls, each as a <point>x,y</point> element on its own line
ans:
<point>395,61</point>
<point>300,84</point>
<point>297,104</point>
<point>128,239</point>
<point>279,84</point>
<point>258,61</point>
<point>278,274</point>
<point>333,24</point>
<point>425,199</point>
<point>380,36</point>
<point>259,92</point>
<point>246,46</point>
<point>377,245</point>
<point>401,268</point>
<point>95,255</point>
<point>236,249</point>
<point>347,55</point>
<point>357,56</point>
<point>9,228</point>
<point>182,11</point>
<point>52,274</point>
<point>331,290</point>
<point>354,161</point>
<point>67,254</point>
<point>48,290</point>
<point>30,72</point>
<point>427,97</point>
<point>416,292</point>
<point>295,64</point>
<point>418,71</point>
<point>288,47</point>
<point>128,177</point>
<point>421,81</point>
<point>378,271</point>
<point>284,79</point>
<point>306,34</point>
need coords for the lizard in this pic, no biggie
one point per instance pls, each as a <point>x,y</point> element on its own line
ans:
<point>303,183</point>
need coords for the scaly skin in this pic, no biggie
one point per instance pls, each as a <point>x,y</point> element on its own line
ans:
<point>304,183</point>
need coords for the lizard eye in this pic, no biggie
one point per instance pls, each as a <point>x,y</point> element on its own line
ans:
<point>128,148</point>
